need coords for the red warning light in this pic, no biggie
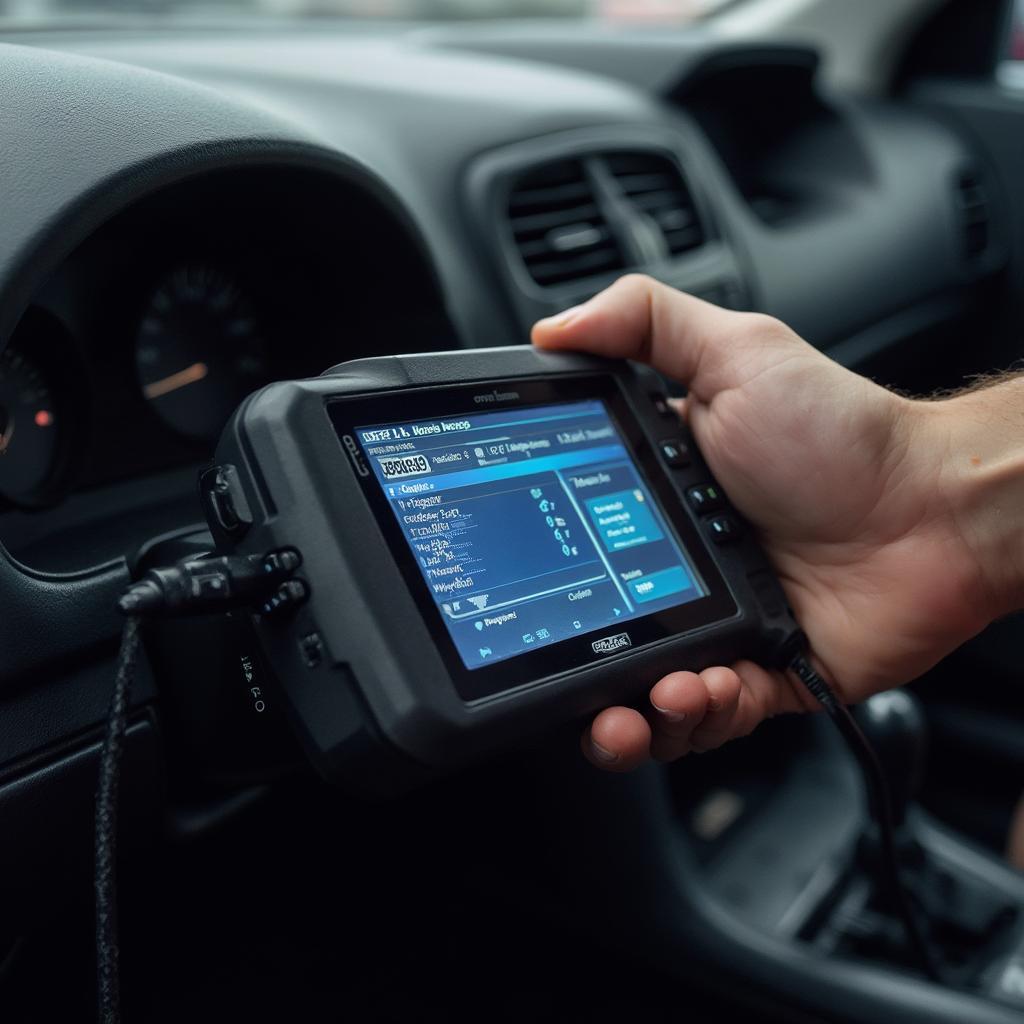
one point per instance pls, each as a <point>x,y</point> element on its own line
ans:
<point>44,418</point>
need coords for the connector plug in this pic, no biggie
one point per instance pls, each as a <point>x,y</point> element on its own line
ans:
<point>199,586</point>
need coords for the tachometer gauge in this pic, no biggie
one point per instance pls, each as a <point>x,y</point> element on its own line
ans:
<point>199,350</point>
<point>29,429</point>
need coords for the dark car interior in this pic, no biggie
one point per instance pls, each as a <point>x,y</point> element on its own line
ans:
<point>268,198</point>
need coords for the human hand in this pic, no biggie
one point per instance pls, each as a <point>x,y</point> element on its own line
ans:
<point>848,486</point>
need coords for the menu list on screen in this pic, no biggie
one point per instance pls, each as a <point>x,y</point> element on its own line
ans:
<point>529,526</point>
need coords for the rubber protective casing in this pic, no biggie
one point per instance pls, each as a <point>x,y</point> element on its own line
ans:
<point>371,697</point>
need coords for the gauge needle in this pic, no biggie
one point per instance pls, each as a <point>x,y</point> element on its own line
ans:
<point>190,375</point>
<point>5,439</point>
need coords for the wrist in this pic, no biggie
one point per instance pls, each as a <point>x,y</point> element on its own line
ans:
<point>977,441</point>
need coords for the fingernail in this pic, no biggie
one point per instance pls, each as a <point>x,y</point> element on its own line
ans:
<point>562,319</point>
<point>670,716</point>
<point>603,755</point>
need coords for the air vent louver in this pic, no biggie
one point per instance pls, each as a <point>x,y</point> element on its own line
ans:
<point>972,211</point>
<point>654,186</point>
<point>558,226</point>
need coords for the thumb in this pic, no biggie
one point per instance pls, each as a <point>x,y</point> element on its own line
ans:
<point>639,318</point>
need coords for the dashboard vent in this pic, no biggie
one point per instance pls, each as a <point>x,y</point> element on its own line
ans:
<point>654,186</point>
<point>558,226</point>
<point>972,210</point>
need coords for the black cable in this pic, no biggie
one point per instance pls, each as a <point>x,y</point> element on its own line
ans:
<point>193,586</point>
<point>105,878</point>
<point>879,805</point>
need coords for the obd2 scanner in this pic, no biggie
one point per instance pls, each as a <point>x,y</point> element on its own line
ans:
<point>478,545</point>
<point>443,554</point>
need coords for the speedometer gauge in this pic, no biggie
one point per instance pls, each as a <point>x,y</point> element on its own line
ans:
<point>29,429</point>
<point>199,350</point>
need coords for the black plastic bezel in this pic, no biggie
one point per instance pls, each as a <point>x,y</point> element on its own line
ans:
<point>349,412</point>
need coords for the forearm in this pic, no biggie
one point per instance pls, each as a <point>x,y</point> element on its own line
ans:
<point>979,439</point>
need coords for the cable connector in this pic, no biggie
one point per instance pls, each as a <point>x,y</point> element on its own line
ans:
<point>817,687</point>
<point>199,586</point>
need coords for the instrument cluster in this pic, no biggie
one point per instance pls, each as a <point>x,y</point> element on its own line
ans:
<point>136,349</point>
<point>198,345</point>
<point>166,379</point>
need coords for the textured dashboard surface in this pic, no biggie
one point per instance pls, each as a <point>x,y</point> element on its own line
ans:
<point>411,115</point>
<point>418,108</point>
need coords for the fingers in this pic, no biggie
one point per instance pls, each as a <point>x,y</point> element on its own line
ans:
<point>679,703</point>
<point>618,740</point>
<point>636,318</point>
<point>640,318</point>
<point>724,690</point>
<point>691,712</point>
<point>681,408</point>
<point>763,695</point>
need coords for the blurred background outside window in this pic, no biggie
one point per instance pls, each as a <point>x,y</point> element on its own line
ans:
<point>674,11</point>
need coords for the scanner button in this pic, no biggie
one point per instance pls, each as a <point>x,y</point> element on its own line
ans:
<point>723,529</point>
<point>705,498</point>
<point>674,452</point>
<point>660,402</point>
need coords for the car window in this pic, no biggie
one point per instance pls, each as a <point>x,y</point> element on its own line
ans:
<point>628,11</point>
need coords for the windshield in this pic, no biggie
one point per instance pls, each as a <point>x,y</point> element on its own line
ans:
<point>626,11</point>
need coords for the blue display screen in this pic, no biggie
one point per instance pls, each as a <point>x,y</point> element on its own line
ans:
<point>529,526</point>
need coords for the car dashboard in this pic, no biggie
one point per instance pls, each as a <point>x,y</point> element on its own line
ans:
<point>515,187</point>
<point>191,215</point>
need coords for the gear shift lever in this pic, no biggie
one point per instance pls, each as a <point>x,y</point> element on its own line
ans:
<point>960,919</point>
<point>895,725</point>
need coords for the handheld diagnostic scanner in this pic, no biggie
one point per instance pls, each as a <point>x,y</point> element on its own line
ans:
<point>488,542</point>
